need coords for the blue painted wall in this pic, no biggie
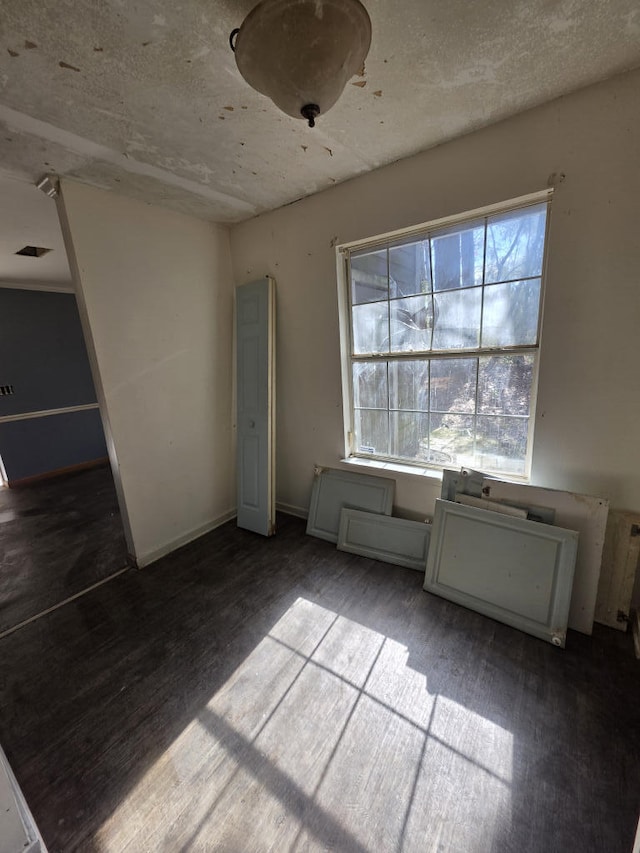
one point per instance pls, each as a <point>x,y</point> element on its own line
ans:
<point>41,445</point>
<point>43,355</point>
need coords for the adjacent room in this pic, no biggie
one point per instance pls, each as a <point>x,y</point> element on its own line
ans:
<point>60,529</point>
<point>438,241</point>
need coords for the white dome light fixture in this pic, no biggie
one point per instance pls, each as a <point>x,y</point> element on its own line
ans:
<point>301,53</point>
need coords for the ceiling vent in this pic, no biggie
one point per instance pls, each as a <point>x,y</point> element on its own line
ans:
<point>33,251</point>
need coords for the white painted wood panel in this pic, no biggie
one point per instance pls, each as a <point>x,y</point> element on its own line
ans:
<point>399,541</point>
<point>586,514</point>
<point>18,832</point>
<point>332,490</point>
<point>517,571</point>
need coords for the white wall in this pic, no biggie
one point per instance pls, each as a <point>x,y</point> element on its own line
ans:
<point>588,416</point>
<point>155,289</point>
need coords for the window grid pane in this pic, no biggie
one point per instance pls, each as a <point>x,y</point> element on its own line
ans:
<point>475,287</point>
<point>471,412</point>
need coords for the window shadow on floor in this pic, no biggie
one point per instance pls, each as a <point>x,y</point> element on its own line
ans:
<point>243,680</point>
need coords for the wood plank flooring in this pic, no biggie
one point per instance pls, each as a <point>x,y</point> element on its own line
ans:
<point>248,695</point>
<point>57,538</point>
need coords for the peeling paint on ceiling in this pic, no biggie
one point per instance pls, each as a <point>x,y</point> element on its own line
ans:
<point>146,99</point>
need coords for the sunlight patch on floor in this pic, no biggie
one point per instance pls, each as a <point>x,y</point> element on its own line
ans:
<point>327,735</point>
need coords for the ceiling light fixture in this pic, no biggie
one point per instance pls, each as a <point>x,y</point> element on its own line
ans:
<point>301,53</point>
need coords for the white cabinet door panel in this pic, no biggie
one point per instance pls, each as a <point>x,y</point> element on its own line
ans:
<point>18,832</point>
<point>381,537</point>
<point>585,513</point>
<point>333,489</point>
<point>517,571</point>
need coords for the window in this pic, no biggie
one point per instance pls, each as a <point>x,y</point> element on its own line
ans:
<point>440,339</point>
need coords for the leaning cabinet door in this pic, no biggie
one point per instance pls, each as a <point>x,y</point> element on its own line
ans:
<point>516,571</point>
<point>255,394</point>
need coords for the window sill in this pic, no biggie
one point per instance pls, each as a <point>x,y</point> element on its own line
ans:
<point>393,468</point>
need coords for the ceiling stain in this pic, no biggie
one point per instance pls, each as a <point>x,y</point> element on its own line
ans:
<point>468,66</point>
<point>360,84</point>
<point>66,65</point>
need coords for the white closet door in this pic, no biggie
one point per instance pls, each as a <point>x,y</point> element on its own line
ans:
<point>255,337</point>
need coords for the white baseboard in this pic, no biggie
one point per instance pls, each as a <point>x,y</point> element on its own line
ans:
<point>196,533</point>
<point>169,547</point>
<point>290,509</point>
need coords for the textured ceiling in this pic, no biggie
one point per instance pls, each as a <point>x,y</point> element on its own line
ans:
<point>144,97</point>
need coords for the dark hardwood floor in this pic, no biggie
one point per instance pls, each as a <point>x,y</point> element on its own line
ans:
<point>248,695</point>
<point>57,538</point>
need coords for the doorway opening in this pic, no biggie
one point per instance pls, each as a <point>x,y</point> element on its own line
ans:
<point>61,530</point>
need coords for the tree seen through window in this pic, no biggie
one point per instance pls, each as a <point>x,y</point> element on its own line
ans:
<point>444,342</point>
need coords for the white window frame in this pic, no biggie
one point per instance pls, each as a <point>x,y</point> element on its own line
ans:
<point>343,252</point>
